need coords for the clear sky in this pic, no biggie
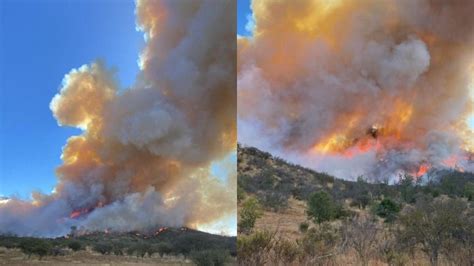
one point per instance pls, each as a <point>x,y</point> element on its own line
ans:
<point>243,13</point>
<point>40,42</point>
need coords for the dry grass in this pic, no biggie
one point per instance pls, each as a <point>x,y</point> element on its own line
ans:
<point>286,222</point>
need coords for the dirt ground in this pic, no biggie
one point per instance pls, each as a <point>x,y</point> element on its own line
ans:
<point>16,257</point>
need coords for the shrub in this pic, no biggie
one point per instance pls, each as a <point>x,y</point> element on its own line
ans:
<point>387,209</point>
<point>254,249</point>
<point>318,244</point>
<point>75,245</point>
<point>321,207</point>
<point>304,227</point>
<point>36,246</point>
<point>164,248</point>
<point>209,257</point>
<point>249,214</point>
<point>284,251</point>
<point>102,248</point>
<point>442,225</point>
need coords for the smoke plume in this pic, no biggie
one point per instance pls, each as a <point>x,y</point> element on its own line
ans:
<point>366,87</point>
<point>145,154</point>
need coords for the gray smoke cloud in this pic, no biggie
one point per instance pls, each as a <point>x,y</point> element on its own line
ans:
<point>371,88</point>
<point>144,157</point>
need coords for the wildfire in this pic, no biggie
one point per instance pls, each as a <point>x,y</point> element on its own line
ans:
<point>422,170</point>
<point>160,230</point>
<point>77,213</point>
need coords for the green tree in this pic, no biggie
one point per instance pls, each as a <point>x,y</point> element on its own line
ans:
<point>387,209</point>
<point>249,214</point>
<point>407,188</point>
<point>321,207</point>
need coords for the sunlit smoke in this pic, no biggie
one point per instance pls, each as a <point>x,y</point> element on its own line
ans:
<point>143,159</point>
<point>373,88</point>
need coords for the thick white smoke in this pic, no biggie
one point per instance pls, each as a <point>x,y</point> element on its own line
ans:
<point>144,157</point>
<point>364,87</point>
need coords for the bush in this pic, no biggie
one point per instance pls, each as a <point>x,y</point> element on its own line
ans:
<point>210,257</point>
<point>35,246</point>
<point>102,248</point>
<point>254,249</point>
<point>387,209</point>
<point>321,207</point>
<point>285,251</point>
<point>361,201</point>
<point>318,244</point>
<point>164,248</point>
<point>248,215</point>
<point>469,191</point>
<point>75,245</point>
<point>304,227</point>
<point>439,226</point>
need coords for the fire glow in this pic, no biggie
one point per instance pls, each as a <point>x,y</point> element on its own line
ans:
<point>387,93</point>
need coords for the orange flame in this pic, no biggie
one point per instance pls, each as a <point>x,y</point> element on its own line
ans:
<point>422,170</point>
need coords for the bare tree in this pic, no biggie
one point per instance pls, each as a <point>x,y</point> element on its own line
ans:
<point>361,233</point>
<point>437,226</point>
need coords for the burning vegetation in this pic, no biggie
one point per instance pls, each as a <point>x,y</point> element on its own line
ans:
<point>372,88</point>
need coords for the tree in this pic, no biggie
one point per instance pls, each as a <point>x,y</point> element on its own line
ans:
<point>249,214</point>
<point>321,207</point>
<point>387,209</point>
<point>361,235</point>
<point>407,189</point>
<point>436,225</point>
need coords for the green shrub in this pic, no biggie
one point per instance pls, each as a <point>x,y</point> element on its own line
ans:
<point>304,227</point>
<point>75,245</point>
<point>209,257</point>
<point>254,249</point>
<point>164,248</point>
<point>387,209</point>
<point>321,208</point>
<point>36,246</point>
<point>102,248</point>
<point>249,214</point>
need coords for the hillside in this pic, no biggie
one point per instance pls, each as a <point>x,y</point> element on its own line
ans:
<point>171,246</point>
<point>274,181</point>
<point>383,217</point>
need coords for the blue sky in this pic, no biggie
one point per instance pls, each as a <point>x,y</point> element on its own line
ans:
<point>41,41</point>
<point>243,11</point>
